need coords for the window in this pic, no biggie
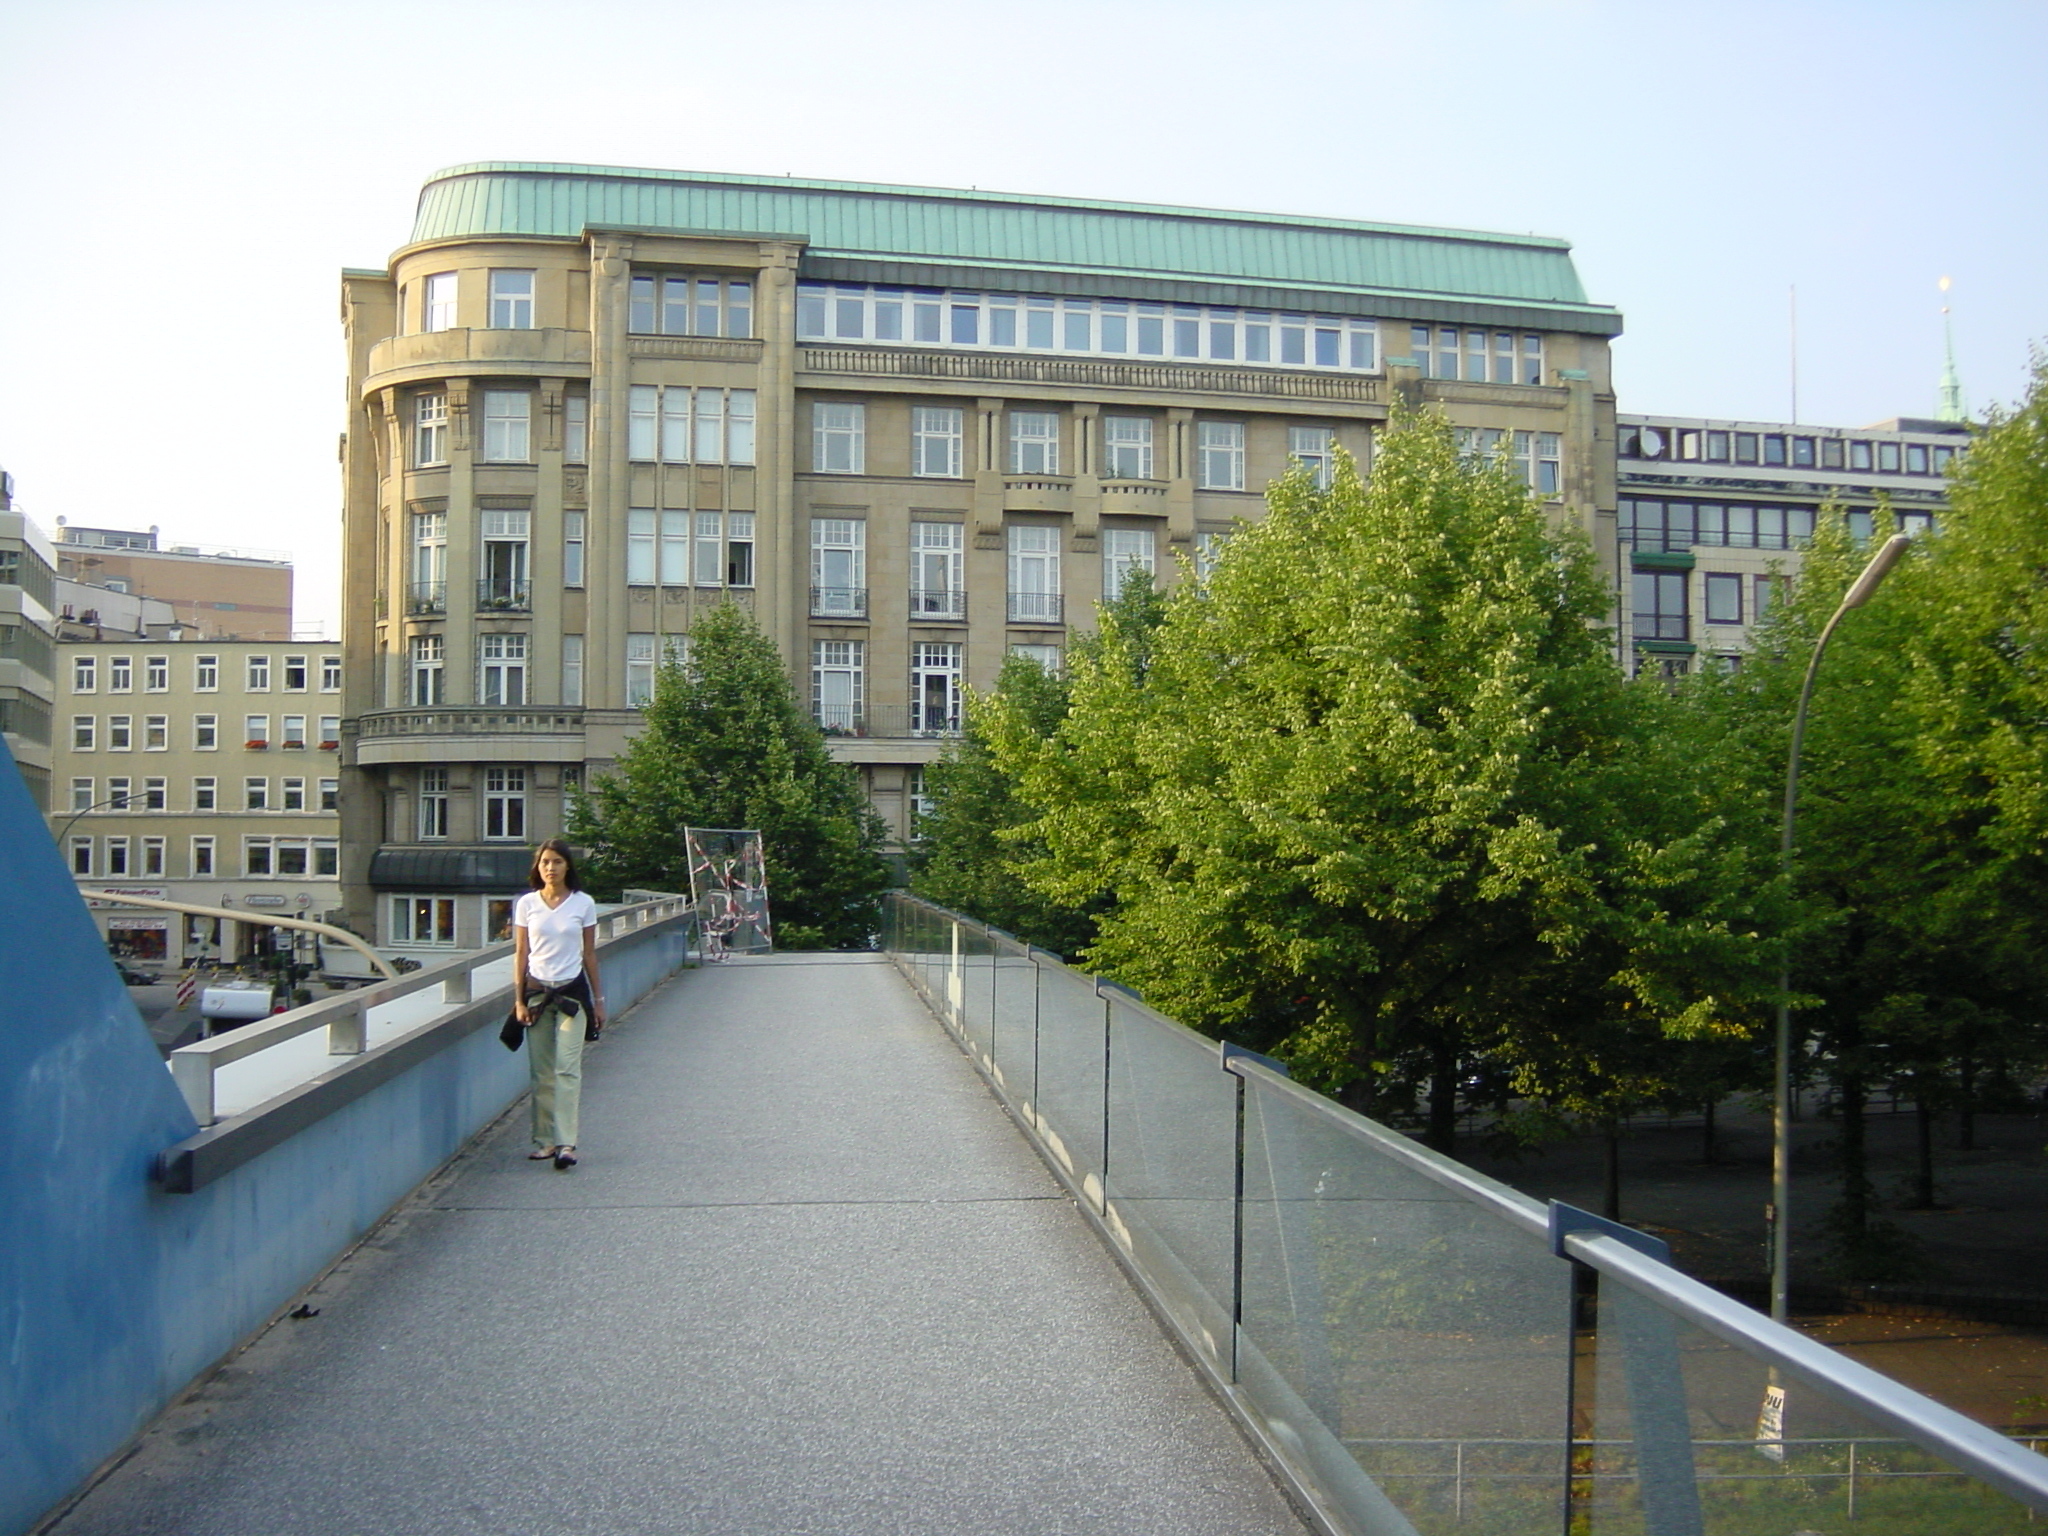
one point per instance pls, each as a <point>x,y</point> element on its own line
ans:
<point>153,856</point>
<point>117,857</point>
<point>639,671</point>
<point>120,674</point>
<point>1034,576</point>
<point>1546,474</point>
<point>81,795</point>
<point>739,547</point>
<point>935,442</point>
<point>429,686</point>
<point>1916,458</point>
<point>1313,450</point>
<point>438,304</point>
<point>501,669</point>
<point>1034,443</point>
<point>572,549</point>
<point>934,688</point>
<point>572,671</point>
<point>505,583</point>
<point>205,794</point>
<point>512,301</point>
<point>429,590</point>
<point>205,674</point>
<point>156,674</point>
<point>1914,524</point>
<point>676,305</point>
<point>291,854</point>
<point>506,426</point>
<point>1497,357</point>
<point>156,733</point>
<point>256,731</point>
<point>1859,456</point>
<point>838,567</point>
<point>1888,458</point>
<point>1803,453</point>
<point>206,733</point>
<point>1124,550</point>
<point>1677,525</point>
<point>330,733</point>
<point>1764,593</point>
<point>676,424</point>
<point>936,589</point>
<point>257,675</point>
<point>423,920</point>
<point>839,438</point>
<point>330,794</point>
<point>1220,456</point>
<point>640,526</point>
<point>429,430</point>
<point>1831,456</point>
<point>293,795</point>
<point>1127,448</point>
<point>575,429</point>
<point>838,685</point>
<point>256,858</point>
<point>675,549</point>
<point>1724,598</point>
<point>120,732</point>
<point>85,674</point>
<point>82,732</point>
<point>1045,656</point>
<point>293,737</point>
<point>1746,447</point>
<point>255,794</point>
<point>505,803</point>
<point>1774,448</point>
<point>202,857</point>
<point>1660,612</point>
<point>432,822</point>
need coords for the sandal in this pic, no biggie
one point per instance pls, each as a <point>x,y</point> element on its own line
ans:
<point>565,1157</point>
<point>541,1154</point>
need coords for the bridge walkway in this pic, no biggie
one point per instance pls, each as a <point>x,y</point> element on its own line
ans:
<point>807,1278</point>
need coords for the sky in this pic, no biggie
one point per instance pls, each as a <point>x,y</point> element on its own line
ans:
<point>182,181</point>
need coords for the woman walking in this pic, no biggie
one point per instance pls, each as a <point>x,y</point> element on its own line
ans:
<point>555,993</point>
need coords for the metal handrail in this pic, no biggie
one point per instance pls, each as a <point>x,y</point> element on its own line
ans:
<point>346,1018</point>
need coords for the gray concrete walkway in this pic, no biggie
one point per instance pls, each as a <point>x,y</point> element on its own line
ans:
<point>808,1278</point>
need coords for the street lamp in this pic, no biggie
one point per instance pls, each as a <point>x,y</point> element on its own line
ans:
<point>122,800</point>
<point>1781,1106</point>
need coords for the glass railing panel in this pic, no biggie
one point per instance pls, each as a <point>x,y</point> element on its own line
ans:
<point>976,996</point>
<point>1013,1046</point>
<point>1070,1067</point>
<point>1423,1340</point>
<point>1682,1431</point>
<point>1172,1166</point>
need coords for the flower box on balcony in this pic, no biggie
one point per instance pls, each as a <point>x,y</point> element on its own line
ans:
<point>295,746</point>
<point>257,746</point>
<point>330,746</point>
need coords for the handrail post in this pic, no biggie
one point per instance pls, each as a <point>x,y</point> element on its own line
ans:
<point>348,1033</point>
<point>193,1073</point>
<point>456,988</point>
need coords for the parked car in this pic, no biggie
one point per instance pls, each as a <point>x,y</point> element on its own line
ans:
<point>134,978</point>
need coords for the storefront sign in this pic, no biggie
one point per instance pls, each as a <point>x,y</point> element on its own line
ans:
<point>154,892</point>
<point>263,901</point>
<point>138,924</point>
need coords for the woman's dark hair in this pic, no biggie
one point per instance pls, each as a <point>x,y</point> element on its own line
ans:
<point>572,880</point>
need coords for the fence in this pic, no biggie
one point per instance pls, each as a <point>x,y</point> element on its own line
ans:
<point>1401,1334</point>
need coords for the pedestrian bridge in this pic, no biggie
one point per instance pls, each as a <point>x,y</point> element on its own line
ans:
<point>945,1238</point>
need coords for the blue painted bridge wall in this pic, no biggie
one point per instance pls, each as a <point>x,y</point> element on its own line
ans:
<point>114,1295</point>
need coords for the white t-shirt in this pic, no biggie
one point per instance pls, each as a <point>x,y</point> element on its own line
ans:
<point>554,935</point>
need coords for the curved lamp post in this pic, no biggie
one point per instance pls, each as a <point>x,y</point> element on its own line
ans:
<point>1781,1106</point>
<point>121,801</point>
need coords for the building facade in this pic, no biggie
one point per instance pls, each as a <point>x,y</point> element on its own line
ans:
<point>205,771</point>
<point>911,430</point>
<point>1713,517</point>
<point>213,591</point>
<point>28,665</point>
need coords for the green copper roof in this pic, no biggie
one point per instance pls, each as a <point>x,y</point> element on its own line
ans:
<point>997,231</point>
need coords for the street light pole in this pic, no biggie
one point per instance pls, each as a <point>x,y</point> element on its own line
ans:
<point>1858,594</point>
<point>121,800</point>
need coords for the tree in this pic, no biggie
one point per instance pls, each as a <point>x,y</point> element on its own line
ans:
<point>1376,797</point>
<point>725,744</point>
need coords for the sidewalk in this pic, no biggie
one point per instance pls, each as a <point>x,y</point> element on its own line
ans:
<point>807,1279</point>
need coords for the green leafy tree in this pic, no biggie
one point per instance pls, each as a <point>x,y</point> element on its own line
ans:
<point>726,744</point>
<point>1375,796</point>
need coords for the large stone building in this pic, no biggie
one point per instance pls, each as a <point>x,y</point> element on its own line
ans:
<point>911,429</point>
<point>1714,515</point>
<point>28,665</point>
<point>204,771</point>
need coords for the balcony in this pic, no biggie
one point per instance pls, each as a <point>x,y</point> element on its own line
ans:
<point>943,605</point>
<point>820,362</point>
<point>1139,498</point>
<point>1038,493</point>
<point>504,594</point>
<point>436,354</point>
<point>889,722</point>
<point>424,597</point>
<point>436,733</point>
<point>839,602</point>
<point>1037,608</point>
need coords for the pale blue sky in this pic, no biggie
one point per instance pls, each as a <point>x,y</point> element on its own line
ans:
<point>181,181</point>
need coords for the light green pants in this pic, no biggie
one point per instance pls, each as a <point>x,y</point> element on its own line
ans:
<point>554,1046</point>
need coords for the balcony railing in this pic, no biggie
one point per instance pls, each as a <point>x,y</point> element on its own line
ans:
<point>889,722</point>
<point>427,597</point>
<point>1661,626</point>
<point>504,594</point>
<point>1037,608</point>
<point>839,602</point>
<point>472,722</point>
<point>931,603</point>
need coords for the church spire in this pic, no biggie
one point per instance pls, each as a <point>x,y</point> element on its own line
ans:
<point>1949,404</point>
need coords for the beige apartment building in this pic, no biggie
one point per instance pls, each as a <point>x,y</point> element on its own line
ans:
<point>205,771</point>
<point>1714,516</point>
<point>911,429</point>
